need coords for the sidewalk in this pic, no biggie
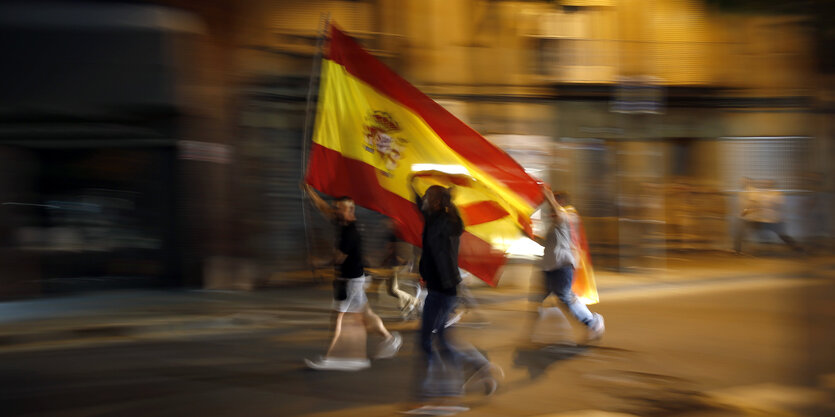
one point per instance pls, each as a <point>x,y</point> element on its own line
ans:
<point>130,315</point>
<point>683,270</point>
<point>149,314</point>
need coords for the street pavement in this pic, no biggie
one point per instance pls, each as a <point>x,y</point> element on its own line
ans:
<point>718,336</point>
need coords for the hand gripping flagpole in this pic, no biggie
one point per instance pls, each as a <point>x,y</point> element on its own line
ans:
<point>324,23</point>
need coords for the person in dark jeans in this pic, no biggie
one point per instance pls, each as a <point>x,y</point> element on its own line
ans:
<point>439,270</point>
<point>558,261</point>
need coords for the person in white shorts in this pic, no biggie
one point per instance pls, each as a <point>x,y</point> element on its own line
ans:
<point>349,288</point>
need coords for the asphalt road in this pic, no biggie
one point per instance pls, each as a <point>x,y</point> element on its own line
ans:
<point>758,347</point>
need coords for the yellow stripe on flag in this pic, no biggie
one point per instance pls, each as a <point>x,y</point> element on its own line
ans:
<point>362,124</point>
<point>376,135</point>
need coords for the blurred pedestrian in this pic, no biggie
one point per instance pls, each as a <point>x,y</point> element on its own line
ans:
<point>439,269</point>
<point>559,259</point>
<point>762,206</point>
<point>349,289</point>
<point>467,305</point>
<point>407,302</point>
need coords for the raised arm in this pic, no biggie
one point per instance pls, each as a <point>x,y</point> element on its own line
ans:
<point>417,197</point>
<point>454,179</point>
<point>326,209</point>
<point>559,214</point>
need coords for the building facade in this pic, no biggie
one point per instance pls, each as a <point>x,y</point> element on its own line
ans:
<point>162,143</point>
<point>653,111</point>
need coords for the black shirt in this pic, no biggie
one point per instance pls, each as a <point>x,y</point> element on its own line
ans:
<point>439,261</point>
<point>350,244</point>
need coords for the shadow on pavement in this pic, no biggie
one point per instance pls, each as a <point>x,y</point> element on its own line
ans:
<point>538,358</point>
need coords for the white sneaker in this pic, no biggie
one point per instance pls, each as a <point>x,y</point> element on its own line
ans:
<point>338,364</point>
<point>454,319</point>
<point>389,348</point>
<point>409,310</point>
<point>596,329</point>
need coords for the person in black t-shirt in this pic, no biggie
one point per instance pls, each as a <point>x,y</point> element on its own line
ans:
<point>349,287</point>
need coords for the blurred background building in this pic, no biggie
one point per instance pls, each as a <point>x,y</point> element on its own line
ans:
<point>159,143</point>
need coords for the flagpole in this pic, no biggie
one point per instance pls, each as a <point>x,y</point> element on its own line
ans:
<point>324,21</point>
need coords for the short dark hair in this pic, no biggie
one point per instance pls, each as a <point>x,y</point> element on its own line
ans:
<point>343,199</point>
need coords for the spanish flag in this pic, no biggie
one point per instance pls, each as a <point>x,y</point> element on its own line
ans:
<point>377,138</point>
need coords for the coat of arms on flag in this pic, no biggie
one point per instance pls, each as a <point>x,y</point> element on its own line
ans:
<point>376,136</point>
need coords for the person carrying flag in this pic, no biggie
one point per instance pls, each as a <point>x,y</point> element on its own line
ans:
<point>559,259</point>
<point>349,288</point>
<point>439,269</point>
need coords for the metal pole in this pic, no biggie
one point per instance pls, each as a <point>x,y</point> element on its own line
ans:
<point>306,135</point>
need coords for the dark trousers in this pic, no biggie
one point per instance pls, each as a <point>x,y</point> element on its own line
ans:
<point>443,367</point>
<point>558,282</point>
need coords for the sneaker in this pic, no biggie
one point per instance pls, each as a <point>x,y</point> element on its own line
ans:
<point>596,329</point>
<point>489,375</point>
<point>455,319</point>
<point>338,364</point>
<point>409,310</point>
<point>390,347</point>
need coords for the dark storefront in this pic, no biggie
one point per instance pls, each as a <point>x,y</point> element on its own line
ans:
<point>89,121</point>
<point>91,218</point>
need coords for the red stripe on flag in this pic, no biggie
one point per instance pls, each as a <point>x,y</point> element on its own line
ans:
<point>480,259</point>
<point>458,136</point>
<point>334,174</point>
<point>481,212</point>
<point>527,227</point>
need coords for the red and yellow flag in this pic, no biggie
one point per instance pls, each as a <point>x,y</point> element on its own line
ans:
<point>377,136</point>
